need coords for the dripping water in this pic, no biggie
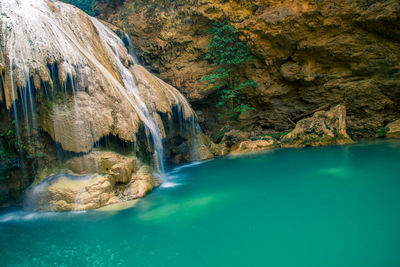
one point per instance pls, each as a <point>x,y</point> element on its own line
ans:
<point>131,49</point>
<point>16,119</point>
<point>133,97</point>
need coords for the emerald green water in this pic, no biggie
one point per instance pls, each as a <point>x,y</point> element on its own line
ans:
<point>331,206</point>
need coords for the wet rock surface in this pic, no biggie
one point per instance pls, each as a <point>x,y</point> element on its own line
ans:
<point>68,192</point>
<point>205,149</point>
<point>90,85</point>
<point>98,179</point>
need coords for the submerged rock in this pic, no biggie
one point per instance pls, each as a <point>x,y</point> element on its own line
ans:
<point>323,128</point>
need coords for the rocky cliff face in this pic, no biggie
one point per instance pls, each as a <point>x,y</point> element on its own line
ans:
<point>308,53</point>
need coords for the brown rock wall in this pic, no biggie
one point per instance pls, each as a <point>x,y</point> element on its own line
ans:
<point>307,53</point>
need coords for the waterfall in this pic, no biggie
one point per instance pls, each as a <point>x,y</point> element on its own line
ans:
<point>112,41</point>
<point>73,84</point>
<point>101,74</point>
<point>131,49</point>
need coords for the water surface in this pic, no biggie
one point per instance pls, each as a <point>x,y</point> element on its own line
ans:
<point>330,206</point>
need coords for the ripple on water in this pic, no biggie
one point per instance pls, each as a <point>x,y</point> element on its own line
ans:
<point>23,216</point>
<point>340,171</point>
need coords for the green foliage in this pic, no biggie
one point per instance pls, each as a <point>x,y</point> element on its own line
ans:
<point>382,131</point>
<point>13,151</point>
<point>225,47</point>
<point>8,153</point>
<point>88,6</point>
<point>277,135</point>
<point>228,53</point>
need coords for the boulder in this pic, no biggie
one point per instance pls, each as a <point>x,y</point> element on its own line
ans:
<point>323,128</point>
<point>253,145</point>
<point>142,183</point>
<point>234,136</point>
<point>117,166</point>
<point>200,148</point>
<point>215,149</point>
<point>90,181</point>
<point>393,129</point>
<point>66,191</point>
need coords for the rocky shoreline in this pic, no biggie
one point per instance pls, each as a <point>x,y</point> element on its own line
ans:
<point>104,180</point>
<point>323,128</point>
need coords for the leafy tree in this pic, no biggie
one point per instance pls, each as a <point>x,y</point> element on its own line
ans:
<point>228,53</point>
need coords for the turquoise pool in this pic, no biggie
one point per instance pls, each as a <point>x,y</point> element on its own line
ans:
<point>328,206</point>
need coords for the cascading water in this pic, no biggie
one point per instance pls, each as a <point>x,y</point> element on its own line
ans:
<point>133,96</point>
<point>76,83</point>
<point>131,49</point>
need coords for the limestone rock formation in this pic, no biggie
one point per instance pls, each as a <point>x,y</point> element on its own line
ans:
<point>119,167</point>
<point>206,149</point>
<point>307,53</point>
<point>393,129</point>
<point>70,84</point>
<point>233,137</point>
<point>253,145</point>
<point>323,128</point>
<point>109,93</point>
<point>65,192</point>
<point>91,181</point>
